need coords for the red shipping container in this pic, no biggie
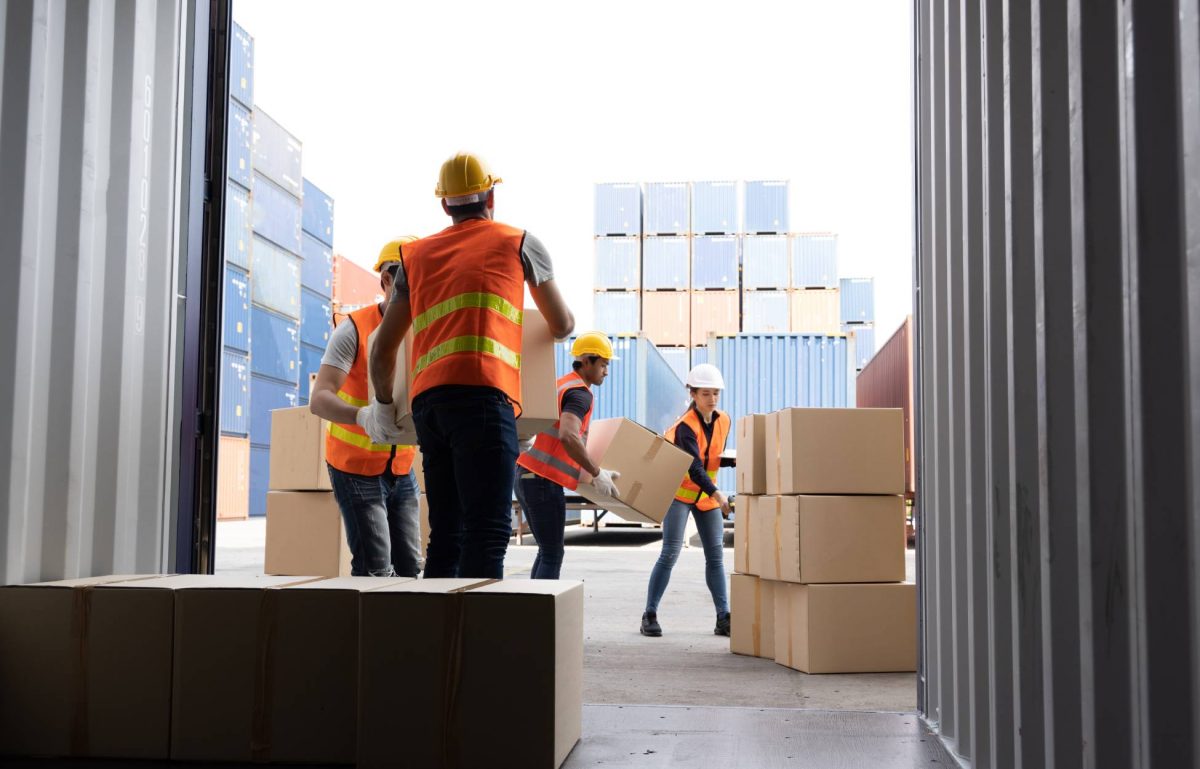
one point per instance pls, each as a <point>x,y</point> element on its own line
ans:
<point>887,382</point>
<point>353,285</point>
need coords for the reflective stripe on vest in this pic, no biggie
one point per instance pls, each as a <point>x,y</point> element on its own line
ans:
<point>463,301</point>
<point>480,344</point>
<point>548,457</point>
<point>710,456</point>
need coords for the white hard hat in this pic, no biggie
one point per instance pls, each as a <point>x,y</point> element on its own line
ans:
<point>706,375</point>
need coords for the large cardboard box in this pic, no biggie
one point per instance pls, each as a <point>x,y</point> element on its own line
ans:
<point>298,451</point>
<point>305,535</point>
<point>744,535</point>
<point>84,673</point>
<point>760,535</point>
<point>751,454</point>
<point>869,628</point>
<point>830,539</point>
<point>752,609</point>
<point>650,468</point>
<point>219,685</point>
<point>835,451</point>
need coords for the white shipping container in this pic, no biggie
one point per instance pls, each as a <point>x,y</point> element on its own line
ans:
<point>816,311</point>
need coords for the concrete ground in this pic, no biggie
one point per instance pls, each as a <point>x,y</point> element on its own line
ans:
<point>689,665</point>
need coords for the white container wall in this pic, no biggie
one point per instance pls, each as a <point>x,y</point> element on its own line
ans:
<point>618,209</point>
<point>618,263</point>
<point>765,312</point>
<point>858,300</point>
<point>715,262</point>
<point>666,263</point>
<point>816,311</point>
<point>766,207</point>
<point>666,208</point>
<point>714,208</point>
<point>765,261</point>
<point>814,260</point>
<point>618,312</point>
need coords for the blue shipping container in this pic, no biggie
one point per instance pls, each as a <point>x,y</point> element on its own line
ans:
<point>239,140</point>
<point>310,363</point>
<point>316,319</point>
<point>766,207</point>
<point>858,300</point>
<point>640,386</point>
<point>714,208</point>
<point>765,312</point>
<point>618,312</point>
<point>864,344</point>
<point>237,225</point>
<point>679,359</point>
<point>236,309</point>
<point>316,271</point>
<point>618,209</point>
<point>764,261</point>
<point>241,66</point>
<point>318,213</point>
<point>274,345</point>
<point>667,207</point>
<point>814,261</point>
<point>275,279</point>
<point>266,395</point>
<point>234,407</point>
<point>277,154</point>
<point>618,263</point>
<point>666,263</point>
<point>260,471</point>
<point>714,262</point>
<point>276,214</point>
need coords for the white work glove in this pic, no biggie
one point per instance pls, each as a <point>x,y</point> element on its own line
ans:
<point>604,482</point>
<point>378,420</point>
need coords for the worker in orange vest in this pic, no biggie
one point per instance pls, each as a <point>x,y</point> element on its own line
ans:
<point>374,483</point>
<point>461,291</point>
<point>701,432</point>
<point>558,457</point>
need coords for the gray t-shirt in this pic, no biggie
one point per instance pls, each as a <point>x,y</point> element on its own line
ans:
<point>534,258</point>
<point>343,347</point>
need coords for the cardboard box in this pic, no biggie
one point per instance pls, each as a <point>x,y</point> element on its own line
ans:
<point>82,674</point>
<point>298,451</point>
<point>219,689</point>
<point>751,454</point>
<point>868,628</point>
<point>651,469</point>
<point>752,610</point>
<point>744,535</point>
<point>305,535</point>
<point>484,649</point>
<point>815,539</point>
<point>759,526</point>
<point>835,451</point>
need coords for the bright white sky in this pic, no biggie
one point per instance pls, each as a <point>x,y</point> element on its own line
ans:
<point>557,96</point>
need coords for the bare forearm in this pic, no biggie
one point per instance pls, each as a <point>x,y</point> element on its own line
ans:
<point>382,368</point>
<point>328,406</point>
<point>576,450</point>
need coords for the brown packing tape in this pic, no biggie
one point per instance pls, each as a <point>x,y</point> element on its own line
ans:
<point>791,626</point>
<point>778,537</point>
<point>777,416</point>
<point>81,615</point>
<point>455,628</point>
<point>634,491</point>
<point>756,626</point>
<point>656,444</point>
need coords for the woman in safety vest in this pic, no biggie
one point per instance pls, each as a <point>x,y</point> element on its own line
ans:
<point>701,432</point>
<point>558,457</point>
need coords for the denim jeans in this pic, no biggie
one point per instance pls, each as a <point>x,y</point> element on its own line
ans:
<point>468,438</point>
<point>545,507</point>
<point>382,520</point>
<point>712,536</point>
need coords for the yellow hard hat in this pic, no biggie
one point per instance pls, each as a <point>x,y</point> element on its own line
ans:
<point>464,174</point>
<point>391,252</point>
<point>593,343</point>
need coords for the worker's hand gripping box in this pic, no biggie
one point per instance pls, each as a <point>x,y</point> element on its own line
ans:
<point>650,469</point>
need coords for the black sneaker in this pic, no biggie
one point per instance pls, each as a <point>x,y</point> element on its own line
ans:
<point>722,624</point>
<point>650,626</point>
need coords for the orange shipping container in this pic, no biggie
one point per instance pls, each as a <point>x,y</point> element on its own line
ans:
<point>816,311</point>
<point>666,317</point>
<point>887,382</point>
<point>354,285</point>
<point>714,312</point>
<point>233,478</point>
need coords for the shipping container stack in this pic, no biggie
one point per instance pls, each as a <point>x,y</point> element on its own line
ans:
<point>716,264</point>
<point>815,299</point>
<point>857,298</point>
<point>765,268</point>
<point>316,282</point>
<point>819,553</point>
<point>667,271</point>
<point>618,258</point>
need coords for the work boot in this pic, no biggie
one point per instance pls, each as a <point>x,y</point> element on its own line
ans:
<point>722,624</point>
<point>650,626</point>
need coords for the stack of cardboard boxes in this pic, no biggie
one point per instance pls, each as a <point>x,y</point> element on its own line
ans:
<point>819,542</point>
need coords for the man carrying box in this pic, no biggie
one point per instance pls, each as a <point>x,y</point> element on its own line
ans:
<point>558,457</point>
<point>374,483</point>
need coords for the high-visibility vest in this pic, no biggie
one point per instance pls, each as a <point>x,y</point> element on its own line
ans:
<point>547,457</point>
<point>710,456</point>
<point>347,447</point>
<point>467,290</point>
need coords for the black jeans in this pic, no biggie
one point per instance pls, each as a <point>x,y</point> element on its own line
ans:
<point>468,438</point>
<point>545,507</point>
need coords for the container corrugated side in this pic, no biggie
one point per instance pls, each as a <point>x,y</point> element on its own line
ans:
<point>274,345</point>
<point>814,260</point>
<point>266,395</point>
<point>239,140</point>
<point>241,66</point>
<point>275,279</point>
<point>236,309</point>
<point>864,343</point>
<point>679,359</point>
<point>260,470</point>
<point>233,478</point>
<point>666,263</point>
<point>275,214</point>
<point>277,154</point>
<point>858,300</point>
<point>765,261</point>
<point>887,382</point>
<point>237,225</point>
<point>666,317</point>
<point>310,363</point>
<point>316,271</point>
<point>618,312</point>
<point>234,407</point>
<point>816,311</point>
<point>715,262</point>
<point>666,208</point>
<point>714,208</point>
<point>714,312</point>
<point>618,263</point>
<point>766,312</point>
<point>316,319</point>
<point>317,216</point>
<point>766,207</point>
<point>618,209</point>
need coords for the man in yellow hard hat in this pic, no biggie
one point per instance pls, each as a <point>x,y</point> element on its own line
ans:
<point>462,292</point>
<point>373,483</point>
<point>558,458</point>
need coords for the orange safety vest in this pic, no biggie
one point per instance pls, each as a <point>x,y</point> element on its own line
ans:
<point>547,457</point>
<point>467,292</point>
<point>710,456</point>
<point>347,447</point>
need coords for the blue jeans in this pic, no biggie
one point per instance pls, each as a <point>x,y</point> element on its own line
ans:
<point>545,507</point>
<point>468,438</point>
<point>712,536</point>
<point>382,518</point>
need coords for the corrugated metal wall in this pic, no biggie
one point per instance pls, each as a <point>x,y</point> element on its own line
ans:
<point>1058,360</point>
<point>91,127</point>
